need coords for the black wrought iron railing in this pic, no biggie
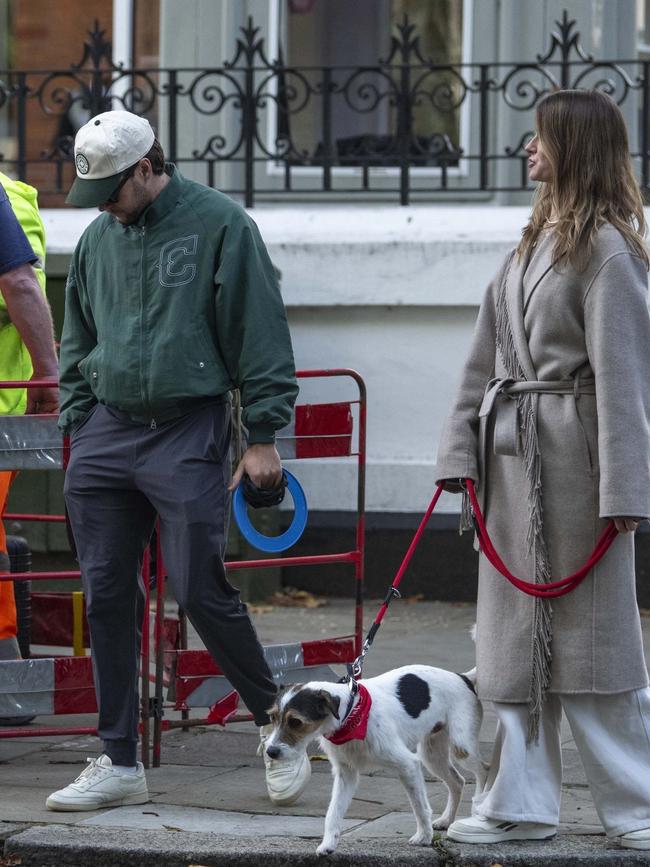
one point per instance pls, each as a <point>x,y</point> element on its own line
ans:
<point>406,127</point>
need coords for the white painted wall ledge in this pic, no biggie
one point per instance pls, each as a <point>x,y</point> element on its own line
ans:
<point>363,255</point>
<point>337,224</point>
<point>351,255</point>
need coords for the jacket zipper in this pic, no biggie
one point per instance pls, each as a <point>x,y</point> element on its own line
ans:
<point>143,390</point>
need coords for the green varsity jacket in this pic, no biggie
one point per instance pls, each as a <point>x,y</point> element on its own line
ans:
<point>174,310</point>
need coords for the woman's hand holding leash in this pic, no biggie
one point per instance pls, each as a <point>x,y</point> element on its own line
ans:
<point>626,524</point>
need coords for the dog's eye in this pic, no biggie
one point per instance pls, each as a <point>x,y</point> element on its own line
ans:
<point>294,722</point>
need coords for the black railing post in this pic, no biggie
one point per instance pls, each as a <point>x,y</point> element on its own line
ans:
<point>21,127</point>
<point>172,114</point>
<point>98,103</point>
<point>327,128</point>
<point>404,124</point>
<point>248,120</point>
<point>484,130</point>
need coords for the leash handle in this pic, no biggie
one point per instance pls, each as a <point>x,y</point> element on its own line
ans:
<point>553,588</point>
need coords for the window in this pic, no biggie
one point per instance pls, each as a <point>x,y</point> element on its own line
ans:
<point>363,123</point>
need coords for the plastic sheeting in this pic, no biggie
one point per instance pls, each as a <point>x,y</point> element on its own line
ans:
<point>26,687</point>
<point>286,662</point>
<point>282,658</point>
<point>30,442</point>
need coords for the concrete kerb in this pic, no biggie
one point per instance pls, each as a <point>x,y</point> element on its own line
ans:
<point>66,846</point>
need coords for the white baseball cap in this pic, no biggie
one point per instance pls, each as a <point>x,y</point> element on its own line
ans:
<point>104,148</point>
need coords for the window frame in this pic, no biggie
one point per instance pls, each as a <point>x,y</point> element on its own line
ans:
<point>274,169</point>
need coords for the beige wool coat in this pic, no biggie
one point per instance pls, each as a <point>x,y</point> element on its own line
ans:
<point>594,454</point>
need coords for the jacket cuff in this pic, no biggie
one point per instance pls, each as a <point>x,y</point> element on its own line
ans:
<point>261,433</point>
<point>451,471</point>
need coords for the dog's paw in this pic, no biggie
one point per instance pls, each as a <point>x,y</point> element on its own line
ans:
<point>326,848</point>
<point>422,838</point>
<point>440,824</point>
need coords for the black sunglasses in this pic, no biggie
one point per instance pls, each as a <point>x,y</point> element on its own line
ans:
<point>115,195</point>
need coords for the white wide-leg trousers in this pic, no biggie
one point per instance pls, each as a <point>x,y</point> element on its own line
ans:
<point>612,734</point>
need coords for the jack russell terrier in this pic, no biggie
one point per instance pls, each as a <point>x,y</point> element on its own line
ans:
<point>411,716</point>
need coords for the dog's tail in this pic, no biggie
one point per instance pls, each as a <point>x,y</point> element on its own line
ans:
<point>470,676</point>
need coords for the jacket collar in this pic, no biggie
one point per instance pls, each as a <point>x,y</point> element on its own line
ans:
<point>514,290</point>
<point>165,200</point>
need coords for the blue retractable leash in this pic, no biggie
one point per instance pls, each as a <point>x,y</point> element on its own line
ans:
<point>247,494</point>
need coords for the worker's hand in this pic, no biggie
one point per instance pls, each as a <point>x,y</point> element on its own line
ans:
<point>262,463</point>
<point>42,400</point>
<point>626,524</point>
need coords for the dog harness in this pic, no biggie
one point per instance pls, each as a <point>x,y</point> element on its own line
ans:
<point>355,723</point>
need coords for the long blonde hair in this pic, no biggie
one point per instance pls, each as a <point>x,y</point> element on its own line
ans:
<point>584,137</point>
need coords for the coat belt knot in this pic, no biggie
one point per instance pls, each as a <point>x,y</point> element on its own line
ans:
<point>500,401</point>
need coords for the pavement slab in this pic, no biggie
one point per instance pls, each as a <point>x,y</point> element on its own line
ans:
<point>208,802</point>
<point>163,817</point>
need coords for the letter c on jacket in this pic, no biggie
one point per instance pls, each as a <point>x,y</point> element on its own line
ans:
<point>174,268</point>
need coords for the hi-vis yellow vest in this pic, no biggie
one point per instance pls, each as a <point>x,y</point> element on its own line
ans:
<point>15,363</point>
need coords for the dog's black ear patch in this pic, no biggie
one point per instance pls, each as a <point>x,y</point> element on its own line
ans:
<point>414,694</point>
<point>331,702</point>
<point>313,705</point>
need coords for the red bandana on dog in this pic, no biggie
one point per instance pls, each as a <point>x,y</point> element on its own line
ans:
<point>356,725</point>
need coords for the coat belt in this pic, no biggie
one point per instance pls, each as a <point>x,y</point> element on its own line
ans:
<point>500,400</point>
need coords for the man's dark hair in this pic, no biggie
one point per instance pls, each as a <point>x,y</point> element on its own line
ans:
<point>156,157</point>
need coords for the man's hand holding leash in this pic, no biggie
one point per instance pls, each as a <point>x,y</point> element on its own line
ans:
<point>261,462</point>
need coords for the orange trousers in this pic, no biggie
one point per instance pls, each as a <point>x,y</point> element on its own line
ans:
<point>8,626</point>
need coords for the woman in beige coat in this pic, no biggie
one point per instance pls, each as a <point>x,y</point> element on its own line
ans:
<point>551,422</point>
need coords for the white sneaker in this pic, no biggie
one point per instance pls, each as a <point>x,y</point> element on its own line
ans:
<point>286,779</point>
<point>100,785</point>
<point>636,839</point>
<point>477,830</point>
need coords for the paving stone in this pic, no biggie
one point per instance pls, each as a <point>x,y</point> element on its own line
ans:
<point>164,817</point>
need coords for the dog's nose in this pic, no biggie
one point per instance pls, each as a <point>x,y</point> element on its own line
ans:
<point>273,752</point>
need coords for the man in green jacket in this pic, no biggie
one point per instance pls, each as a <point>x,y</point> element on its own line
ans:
<point>171,302</point>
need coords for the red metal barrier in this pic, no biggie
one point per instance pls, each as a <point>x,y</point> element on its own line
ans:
<point>318,431</point>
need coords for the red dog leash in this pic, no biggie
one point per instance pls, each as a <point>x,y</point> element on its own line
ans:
<point>553,588</point>
<point>547,591</point>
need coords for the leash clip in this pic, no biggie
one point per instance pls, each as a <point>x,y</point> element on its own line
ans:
<point>393,593</point>
<point>355,669</point>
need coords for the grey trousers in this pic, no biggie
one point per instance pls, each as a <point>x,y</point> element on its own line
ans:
<point>121,476</point>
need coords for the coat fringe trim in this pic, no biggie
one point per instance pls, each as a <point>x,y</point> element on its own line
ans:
<point>536,544</point>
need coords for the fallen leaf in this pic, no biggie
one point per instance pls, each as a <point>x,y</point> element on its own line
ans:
<point>259,609</point>
<point>292,598</point>
<point>417,597</point>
